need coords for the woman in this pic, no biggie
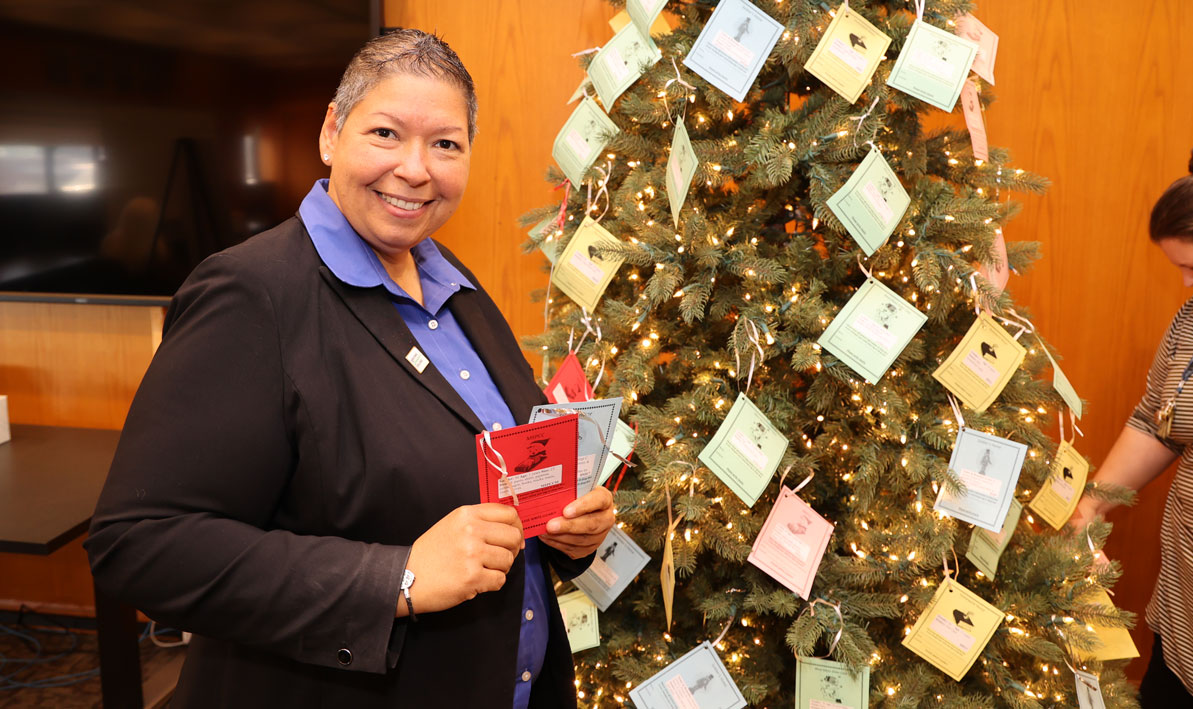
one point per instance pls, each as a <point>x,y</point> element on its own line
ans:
<point>296,482</point>
<point>1159,432</point>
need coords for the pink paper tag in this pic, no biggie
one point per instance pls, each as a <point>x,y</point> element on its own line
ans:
<point>791,543</point>
<point>998,272</point>
<point>971,28</point>
<point>569,383</point>
<point>974,121</point>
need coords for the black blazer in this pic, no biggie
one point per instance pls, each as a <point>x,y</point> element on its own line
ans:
<point>279,459</point>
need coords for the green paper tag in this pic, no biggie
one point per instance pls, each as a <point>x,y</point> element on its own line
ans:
<point>871,202</point>
<point>580,621</point>
<point>581,140</point>
<point>621,62</point>
<point>681,168</point>
<point>745,451</point>
<point>933,65</point>
<point>985,547</point>
<point>825,684</point>
<point>643,13</point>
<point>872,330</point>
<point>548,239</point>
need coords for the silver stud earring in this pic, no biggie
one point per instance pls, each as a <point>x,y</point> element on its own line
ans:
<point>326,157</point>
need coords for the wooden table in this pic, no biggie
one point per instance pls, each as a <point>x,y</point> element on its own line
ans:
<point>50,479</point>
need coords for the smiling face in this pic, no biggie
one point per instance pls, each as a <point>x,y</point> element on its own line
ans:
<point>1180,252</point>
<point>400,163</point>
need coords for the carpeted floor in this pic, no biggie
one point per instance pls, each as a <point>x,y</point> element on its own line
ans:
<point>46,666</point>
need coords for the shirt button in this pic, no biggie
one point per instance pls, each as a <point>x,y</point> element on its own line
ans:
<point>434,324</point>
<point>526,676</point>
<point>344,655</point>
<point>496,426</point>
<point>529,614</point>
<point>464,374</point>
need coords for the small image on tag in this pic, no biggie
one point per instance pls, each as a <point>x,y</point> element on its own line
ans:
<point>417,359</point>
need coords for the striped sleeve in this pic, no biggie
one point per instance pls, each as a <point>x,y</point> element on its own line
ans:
<point>1157,393</point>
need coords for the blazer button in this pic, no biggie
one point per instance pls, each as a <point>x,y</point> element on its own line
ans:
<point>344,656</point>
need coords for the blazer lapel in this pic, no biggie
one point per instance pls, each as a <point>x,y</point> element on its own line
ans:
<point>485,328</point>
<point>380,318</point>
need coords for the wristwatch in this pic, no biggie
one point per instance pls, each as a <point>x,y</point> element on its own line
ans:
<point>407,582</point>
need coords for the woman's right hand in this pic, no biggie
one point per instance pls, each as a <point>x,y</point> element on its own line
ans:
<point>466,553</point>
<point>1088,509</point>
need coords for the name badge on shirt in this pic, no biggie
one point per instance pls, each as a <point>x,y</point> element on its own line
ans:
<point>416,358</point>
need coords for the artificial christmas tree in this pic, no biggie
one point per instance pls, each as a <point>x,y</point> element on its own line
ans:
<point>797,289</point>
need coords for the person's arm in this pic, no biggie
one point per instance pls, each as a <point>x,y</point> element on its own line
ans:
<point>183,530</point>
<point>1135,460</point>
<point>1139,455</point>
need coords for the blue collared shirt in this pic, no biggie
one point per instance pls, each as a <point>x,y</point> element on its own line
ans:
<point>440,337</point>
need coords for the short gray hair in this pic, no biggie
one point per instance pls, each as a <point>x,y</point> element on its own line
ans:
<point>402,51</point>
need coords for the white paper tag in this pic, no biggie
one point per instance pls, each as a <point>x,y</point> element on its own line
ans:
<point>578,145</point>
<point>985,371</point>
<point>1063,489</point>
<point>934,65</point>
<point>680,693</point>
<point>531,481</point>
<point>736,50</point>
<point>955,636</point>
<point>855,59</point>
<point>586,267</point>
<point>616,64</point>
<point>1089,691</point>
<point>878,202</point>
<point>417,359</point>
<point>603,571</point>
<point>749,450</point>
<point>649,5</point>
<point>874,332</point>
<point>981,484</point>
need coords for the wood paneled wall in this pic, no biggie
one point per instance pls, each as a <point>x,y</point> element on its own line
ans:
<point>63,364</point>
<point>1094,95</point>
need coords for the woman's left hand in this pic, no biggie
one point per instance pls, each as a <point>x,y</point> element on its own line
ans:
<point>583,526</point>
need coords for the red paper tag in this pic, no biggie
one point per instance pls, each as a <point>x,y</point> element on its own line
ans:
<point>569,383</point>
<point>540,459</point>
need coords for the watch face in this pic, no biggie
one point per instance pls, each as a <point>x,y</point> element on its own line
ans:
<point>408,579</point>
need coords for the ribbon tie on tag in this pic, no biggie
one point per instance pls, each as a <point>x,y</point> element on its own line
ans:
<point>811,608</point>
<point>725,630</point>
<point>756,356</point>
<point>862,118</point>
<point>944,558</point>
<point>486,446</point>
<point>677,80</point>
<point>602,190</point>
<point>956,412</point>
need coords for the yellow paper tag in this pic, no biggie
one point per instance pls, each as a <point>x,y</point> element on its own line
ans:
<point>985,360</point>
<point>1116,642</point>
<point>1058,497</point>
<point>953,629</point>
